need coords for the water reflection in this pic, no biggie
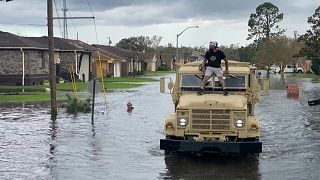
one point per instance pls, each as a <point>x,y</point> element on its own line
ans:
<point>122,145</point>
<point>53,130</point>
<point>211,167</point>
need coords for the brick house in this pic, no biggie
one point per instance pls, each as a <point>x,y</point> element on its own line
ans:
<point>22,61</point>
<point>25,60</point>
<point>71,53</point>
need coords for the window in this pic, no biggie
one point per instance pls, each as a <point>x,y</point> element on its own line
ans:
<point>41,61</point>
<point>238,83</point>
<point>192,82</point>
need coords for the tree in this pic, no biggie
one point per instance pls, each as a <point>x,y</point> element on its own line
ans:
<point>140,43</point>
<point>279,50</point>
<point>155,41</point>
<point>231,52</point>
<point>247,53</point>
<point>312,41</point>
<point>263,23</point>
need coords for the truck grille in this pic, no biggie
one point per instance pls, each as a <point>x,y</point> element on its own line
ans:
<point>211,119</point>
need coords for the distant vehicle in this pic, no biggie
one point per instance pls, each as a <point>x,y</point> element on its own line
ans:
<point>275,68</point>
<point>289,69</point>
<point>299,70</point>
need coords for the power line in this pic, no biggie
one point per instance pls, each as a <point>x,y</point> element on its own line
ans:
<point>24,24</point>
<point>55,5</point>
<point>94,21</point>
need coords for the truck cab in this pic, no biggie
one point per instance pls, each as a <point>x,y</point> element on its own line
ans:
<point>213,122</point>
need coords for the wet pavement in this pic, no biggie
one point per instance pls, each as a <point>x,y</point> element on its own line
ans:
<point>122,145</point>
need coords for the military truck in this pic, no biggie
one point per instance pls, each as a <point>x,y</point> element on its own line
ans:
<point>213,122</point>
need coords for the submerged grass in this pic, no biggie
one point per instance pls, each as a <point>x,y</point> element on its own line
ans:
<point>40,95</point>
<point>28,97</point>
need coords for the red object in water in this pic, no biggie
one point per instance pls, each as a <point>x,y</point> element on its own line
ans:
<point>292,90</point>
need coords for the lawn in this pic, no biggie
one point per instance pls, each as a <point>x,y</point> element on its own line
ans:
<point>36,93</point>
<point>40,88</point>
<point>34,97</point>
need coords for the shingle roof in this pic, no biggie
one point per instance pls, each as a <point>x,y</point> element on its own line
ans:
<point>8,40</point>
<point>107,54</point>
<point>128,55</point>
<point>63,44</point>
<point>146,56</point>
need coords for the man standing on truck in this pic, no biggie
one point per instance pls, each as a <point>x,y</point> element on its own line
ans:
<point>212,64</point>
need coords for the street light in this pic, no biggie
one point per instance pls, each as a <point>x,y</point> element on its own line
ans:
<point>177,58</point>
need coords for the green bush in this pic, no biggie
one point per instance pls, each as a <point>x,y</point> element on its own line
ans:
<point>162,68</point>
<point>74,105</point>
<point>316,66</point>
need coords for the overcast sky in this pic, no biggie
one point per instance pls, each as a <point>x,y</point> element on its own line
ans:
<point>225,21</point>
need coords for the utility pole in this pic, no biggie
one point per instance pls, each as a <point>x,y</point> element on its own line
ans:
<point>109,41</point>
<point>177,53</point>
<point>65,22</point>
<point>295,34</point>
<point>52,67</point>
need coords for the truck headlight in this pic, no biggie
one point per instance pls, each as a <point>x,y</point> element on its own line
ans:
<point>183,122</point>
<point>239,123</point>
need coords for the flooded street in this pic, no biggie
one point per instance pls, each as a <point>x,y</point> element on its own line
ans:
<point>122,145</point>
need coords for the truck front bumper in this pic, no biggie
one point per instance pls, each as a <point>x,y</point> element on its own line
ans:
<point>202,146</point>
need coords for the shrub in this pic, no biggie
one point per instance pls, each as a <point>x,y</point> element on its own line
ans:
<point>74,105</point>
<point>162,68</point>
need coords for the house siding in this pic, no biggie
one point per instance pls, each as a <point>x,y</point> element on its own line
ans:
<point>34,64</point>
<point>125,69</point>
<point>36,67</point>
<point>10,62</point>
<point>67,59</point>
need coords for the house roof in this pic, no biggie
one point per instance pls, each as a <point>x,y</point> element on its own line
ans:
<point>105,55</point>
<point>125,54</point>
<point>146,56</point>
<point>63,44</point>
<point>8,40</point>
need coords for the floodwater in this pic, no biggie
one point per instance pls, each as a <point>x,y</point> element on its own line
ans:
<point>122,145</point>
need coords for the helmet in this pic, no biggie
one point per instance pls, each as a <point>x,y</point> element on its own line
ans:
<point>214,43</point>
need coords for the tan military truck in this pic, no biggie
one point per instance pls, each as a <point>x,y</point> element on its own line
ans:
<point>213,122</point>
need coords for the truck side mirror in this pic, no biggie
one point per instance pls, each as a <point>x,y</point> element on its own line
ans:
<point>163,86</point>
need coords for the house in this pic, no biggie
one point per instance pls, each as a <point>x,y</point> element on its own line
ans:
<point>130,61</point>
<point>150,61</point>
<point>164,61</point>
<point>107,64</point>
<point>22,61</point>
<point>25,60</point>
<point>70,54</point>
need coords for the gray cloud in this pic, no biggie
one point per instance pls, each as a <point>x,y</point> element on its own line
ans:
<point>146,12</point>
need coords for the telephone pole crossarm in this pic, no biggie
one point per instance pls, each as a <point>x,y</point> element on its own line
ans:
<point>73,17</point>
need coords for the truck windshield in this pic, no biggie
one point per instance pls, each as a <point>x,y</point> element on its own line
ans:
<point>192,82</point>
